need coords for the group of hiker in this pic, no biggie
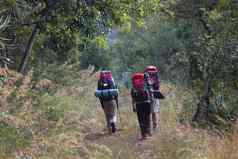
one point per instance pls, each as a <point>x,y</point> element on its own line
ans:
<point>145,94</point>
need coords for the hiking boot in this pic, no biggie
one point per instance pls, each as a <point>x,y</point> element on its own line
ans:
<point>143,138</point>
<point>113,127</point>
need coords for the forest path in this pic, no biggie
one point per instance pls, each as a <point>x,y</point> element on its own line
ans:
<point>126,141</point>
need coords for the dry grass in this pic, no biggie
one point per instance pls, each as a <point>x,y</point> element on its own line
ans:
<point>77,129</point>
<point>226,148</point>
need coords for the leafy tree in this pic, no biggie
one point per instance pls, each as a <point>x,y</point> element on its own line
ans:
<point>209,58</point>
<point>194,44</point>
<point>63,25</point>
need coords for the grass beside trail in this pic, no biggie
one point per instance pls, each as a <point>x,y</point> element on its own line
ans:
<point>67,122</point>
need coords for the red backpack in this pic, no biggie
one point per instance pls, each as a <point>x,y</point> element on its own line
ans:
<point>138,81</point>
<point>139,91</point>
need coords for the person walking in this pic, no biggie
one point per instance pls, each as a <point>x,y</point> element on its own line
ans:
<point>107,93</point>
<point>153,84</point>
<point>141,104</point>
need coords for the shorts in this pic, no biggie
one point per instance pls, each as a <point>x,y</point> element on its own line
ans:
<point>155,106</point>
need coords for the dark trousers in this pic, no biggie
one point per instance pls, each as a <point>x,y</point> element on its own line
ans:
<point>143,114</point>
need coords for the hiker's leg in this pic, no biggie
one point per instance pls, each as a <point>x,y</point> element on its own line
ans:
<point>147,121</point>
<point>106,109</point>
<point>105,114</point>
<point>140,113</point>
<point>112,115</point>
<point>155,113</point>
<point>154,120</point>
<point>144,120</point>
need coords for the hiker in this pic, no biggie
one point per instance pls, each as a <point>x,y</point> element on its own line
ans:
<point>152,82</point>
<point>107,93</point>
<point>141,104</point>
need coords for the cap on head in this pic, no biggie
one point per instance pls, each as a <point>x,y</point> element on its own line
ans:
<point>151,69</point>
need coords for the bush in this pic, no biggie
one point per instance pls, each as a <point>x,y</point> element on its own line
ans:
<point>54,107</point>
<point>11,138</point>
<point>2,80</point>
<point>59,74</point>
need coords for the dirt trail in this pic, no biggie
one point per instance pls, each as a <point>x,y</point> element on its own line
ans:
<point>89,132</point>
<point>127,138</point>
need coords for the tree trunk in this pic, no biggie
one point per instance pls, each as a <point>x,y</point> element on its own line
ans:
<point>27,52</point>
<point>5,56</point>
<point>4,60</point>
<point>202,113</point>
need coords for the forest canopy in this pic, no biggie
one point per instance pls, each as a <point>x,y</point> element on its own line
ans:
<point>193,42</point>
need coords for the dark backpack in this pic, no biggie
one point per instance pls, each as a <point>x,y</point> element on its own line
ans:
<point>104,84</point>
<point>140,95</point>
<point>107,89</point>
<point>152,81</point>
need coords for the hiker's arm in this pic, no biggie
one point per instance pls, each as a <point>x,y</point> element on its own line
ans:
<point>98,84</point>
<point>99,88</point>
<point>133,102</point>
<point>133,105</point>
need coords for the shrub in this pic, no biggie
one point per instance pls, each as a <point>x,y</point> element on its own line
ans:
<point>11,138</point>
<point>54,107</point>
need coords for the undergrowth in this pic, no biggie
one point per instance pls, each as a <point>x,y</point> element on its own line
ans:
<point>67,122</point>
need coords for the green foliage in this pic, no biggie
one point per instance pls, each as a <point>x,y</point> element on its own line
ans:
<point>61,74</point>
<point>11,138</point>
<point>196,44</point>
<point>15,101</point>
<point>53,107</point>
<point>188,109</point>
<point>2,80</point>
<point>96,54</point>
<point>69,29</point>
<point>211,59</point>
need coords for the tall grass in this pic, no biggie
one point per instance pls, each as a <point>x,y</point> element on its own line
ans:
<point>68,123</point>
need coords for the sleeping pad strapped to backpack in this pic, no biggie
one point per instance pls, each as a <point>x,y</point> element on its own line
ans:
<point>106,87</point>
